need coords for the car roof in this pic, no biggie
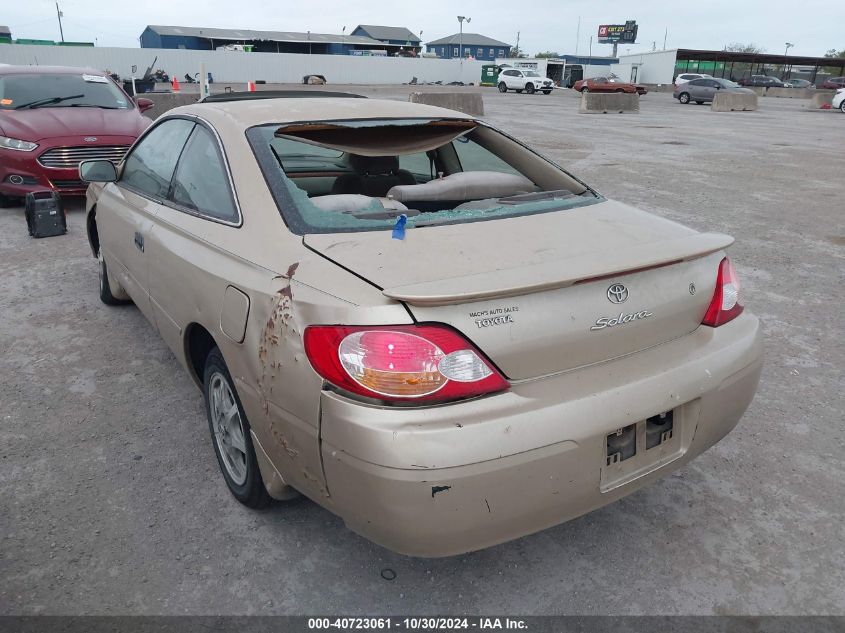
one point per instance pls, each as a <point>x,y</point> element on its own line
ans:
<point>49,70</point>
<point>247,114</point>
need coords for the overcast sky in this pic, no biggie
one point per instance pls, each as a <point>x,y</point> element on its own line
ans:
<point>813,26</point>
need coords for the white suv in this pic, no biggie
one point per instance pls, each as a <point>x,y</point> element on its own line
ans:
<point>523,79</point>
<point>687,77</point>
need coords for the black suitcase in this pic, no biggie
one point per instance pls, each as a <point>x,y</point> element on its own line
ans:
<point>45,216</point>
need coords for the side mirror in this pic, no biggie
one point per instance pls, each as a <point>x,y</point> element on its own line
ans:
<point>97,171</point>
<point>145,104</point>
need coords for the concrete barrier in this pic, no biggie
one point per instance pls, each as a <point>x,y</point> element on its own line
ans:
<point>604,102</point>
<point>167,101</point>
<point>790,93</point>
<point>760,91</point>
<point>467,102</point>
<point>821,99</point>
<point>730,101</point>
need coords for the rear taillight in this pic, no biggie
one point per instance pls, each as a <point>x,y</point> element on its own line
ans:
<point>419,363</point>
<point>726,304</point>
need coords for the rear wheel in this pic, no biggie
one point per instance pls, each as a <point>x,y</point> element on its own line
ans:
<point>585,89</point>
<point>529,88</point>
<point>230,434</point>
<point>503,87</point>
<point>683,97</point>
<point>842,106</point>
<point>106,295</point>
<point>619,90</point>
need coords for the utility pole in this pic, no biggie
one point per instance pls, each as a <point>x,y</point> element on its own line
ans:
<point>665,35</point>
<point>518,52</point>
<point>577,35</point>
<point>59,14</point>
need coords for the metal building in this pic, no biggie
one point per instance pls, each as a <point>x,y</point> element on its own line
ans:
<point>209,39</point>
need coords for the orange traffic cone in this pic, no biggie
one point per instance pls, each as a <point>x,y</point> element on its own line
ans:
<point>175,83</point>
<point>250,86</point>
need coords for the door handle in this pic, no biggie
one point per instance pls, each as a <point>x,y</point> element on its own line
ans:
<point>139,241</point>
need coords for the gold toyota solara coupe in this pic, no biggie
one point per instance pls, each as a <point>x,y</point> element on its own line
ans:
<point>414,319</point>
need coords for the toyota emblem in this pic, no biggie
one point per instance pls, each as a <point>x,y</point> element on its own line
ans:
<point>617,293</point>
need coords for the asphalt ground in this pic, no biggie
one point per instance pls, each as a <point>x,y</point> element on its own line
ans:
<point>110,495</point>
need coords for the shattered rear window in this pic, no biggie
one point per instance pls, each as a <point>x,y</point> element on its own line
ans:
<point>364,175</point>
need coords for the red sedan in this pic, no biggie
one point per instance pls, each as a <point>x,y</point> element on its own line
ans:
<point>54,117</point>
<point>833,83</point>
<point>607,84</point>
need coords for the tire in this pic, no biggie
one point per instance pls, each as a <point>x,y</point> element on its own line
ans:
<point>529,88</point>
<point>106,295</point>
<point>230,433</point>
<point>842,106</point>
<point>503,87</point>
<point>683,97</point>
<point>7,202</point>
<point>585,89</point>
<point>619,90</point>
<point>547,92</point>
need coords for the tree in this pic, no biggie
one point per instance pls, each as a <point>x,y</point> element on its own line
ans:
<point>751,47</point>
<point>834,54</point>
<point>516,52</point>
<point>547,55</point>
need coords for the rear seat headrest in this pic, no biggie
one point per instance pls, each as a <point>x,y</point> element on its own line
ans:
<point>374,165</point>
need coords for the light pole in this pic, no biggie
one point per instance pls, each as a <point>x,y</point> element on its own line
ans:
<point>343,45</point>
<point>785,61</point>
<point>461,19</point>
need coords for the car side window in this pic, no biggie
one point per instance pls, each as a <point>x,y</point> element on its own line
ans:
<point>201,182</point>
<point>149,168</point>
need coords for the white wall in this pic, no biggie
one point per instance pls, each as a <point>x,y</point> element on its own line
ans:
<point>657,67</point>
<point>237,67</point>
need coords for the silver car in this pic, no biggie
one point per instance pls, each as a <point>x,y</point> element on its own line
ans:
<point>703,90</point>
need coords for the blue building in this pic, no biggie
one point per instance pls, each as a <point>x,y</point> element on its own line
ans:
<point>397,39</point>
<point>209,39</point>
<point>469,45</point>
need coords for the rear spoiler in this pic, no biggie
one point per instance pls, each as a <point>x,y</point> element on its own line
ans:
<point>560,274</point>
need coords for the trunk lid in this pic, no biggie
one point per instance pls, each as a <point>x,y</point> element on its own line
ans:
<point>534,292</point>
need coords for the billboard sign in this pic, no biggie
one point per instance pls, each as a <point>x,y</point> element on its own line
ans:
<point>615,33</point>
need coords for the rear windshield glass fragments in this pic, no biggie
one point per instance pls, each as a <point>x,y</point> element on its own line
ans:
<point>344,176</point>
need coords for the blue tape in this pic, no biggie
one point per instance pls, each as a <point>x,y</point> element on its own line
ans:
<point>399,227</point>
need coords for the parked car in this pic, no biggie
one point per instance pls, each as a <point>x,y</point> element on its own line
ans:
<point>685,77</point>
<point>833,83</point>
<point>607,84</point>
<point>839,100</point>
<point>315,278</point>
<point>798,83</point>
<point>53,117</point>
<point>520,79</point>
<point>703,90</point>
<point>762,81</point>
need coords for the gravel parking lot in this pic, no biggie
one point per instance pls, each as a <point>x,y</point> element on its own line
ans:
<point>111,500</point>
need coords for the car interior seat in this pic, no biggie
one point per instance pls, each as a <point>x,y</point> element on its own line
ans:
<point>374,176</point>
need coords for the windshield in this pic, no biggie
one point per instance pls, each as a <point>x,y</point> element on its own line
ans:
<point>60,91</point>
<point>346,176</point>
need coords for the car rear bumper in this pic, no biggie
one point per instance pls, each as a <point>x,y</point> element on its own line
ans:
<point>445,480</point>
